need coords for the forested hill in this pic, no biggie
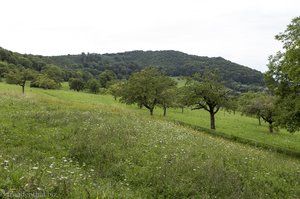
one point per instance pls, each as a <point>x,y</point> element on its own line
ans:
<point>180,64</point>
<point>174,63</point>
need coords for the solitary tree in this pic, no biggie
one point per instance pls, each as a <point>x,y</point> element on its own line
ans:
<point>283,77</point>
<point>206,92</point>
<point>20,77</point>
<point>146,88</point>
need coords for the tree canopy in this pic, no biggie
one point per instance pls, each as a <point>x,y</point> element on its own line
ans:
<point>19,77</point>
<point>206,92</point>
<point>146,88</point>
<point>283,76</point>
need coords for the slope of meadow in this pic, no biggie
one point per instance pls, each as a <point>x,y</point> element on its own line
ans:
<point>71,145</point>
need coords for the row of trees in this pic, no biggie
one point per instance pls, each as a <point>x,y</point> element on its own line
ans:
<point>150,88</point>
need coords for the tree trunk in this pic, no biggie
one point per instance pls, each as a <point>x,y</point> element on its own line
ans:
<point>182,109</point>
<point>212,120</point>
<point>23,89</point>
<point>165,111</point>
<point>115,97</point>
<point>259,122</point>
<point>270,127</point>
<point>151,111</point>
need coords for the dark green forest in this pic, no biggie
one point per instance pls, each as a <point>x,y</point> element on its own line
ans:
<point>173,63</point>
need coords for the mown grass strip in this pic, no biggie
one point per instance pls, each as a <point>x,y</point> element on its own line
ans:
<point>241,140</point>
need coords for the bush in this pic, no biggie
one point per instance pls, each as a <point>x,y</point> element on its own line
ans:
<point>43,81</point>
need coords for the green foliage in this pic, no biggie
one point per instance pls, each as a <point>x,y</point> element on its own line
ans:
<point>206,92</point>
<point>76,84</point>
<point>259,105</point>
<point>147,88</point>
<point>283,76</point>
<point>20,77</point>
<point>53,72</point>
<point>173,63</point>
<point>93,86</point>
<point>115,88</point>
<point>105,77</point>
<point>3,69</point>
<point>43,81</point>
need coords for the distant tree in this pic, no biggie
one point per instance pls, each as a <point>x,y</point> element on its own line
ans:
<point>84,75</point>
<point>283,77</point>
<point>206,92</point>
<point>250,105</point>
<point>3,69</point>
<point>93,86</point>
<point>181,99</point>
<point>54,72</point>
<point>76,84</point>
<point>168,95</point>
<point>146,88</point>
<point>259,105</point>
<point>268,112</point>
<point>45,82</point>
<point>232,104</point>
<point>105,77</point>
<point>115,89</point>
<point>20,77</point>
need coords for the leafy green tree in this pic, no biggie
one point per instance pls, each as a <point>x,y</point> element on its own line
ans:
<point>54,72</point>
<point>93,86</point>
<point>76,84</point>
<point>181,99</point>
<point>268,111</point>
<point>283,77</point>
<point>168,95</point>
<point>146,88</point>
<point>250,105</point>
<point>20,77</point>
<point>105,77</point>
<point>115,89</point>
<point>206,92</point>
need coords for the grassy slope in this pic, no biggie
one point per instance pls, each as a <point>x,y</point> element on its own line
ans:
<point>231,124</point>
<point>116,151</point>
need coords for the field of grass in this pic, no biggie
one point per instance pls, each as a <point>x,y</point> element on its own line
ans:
<point>71,145</point>
<point>227,123</point>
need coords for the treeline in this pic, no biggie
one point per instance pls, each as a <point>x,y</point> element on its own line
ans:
<point>172,63</point>
<point>150,88</point>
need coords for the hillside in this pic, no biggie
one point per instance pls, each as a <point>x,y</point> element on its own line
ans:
<point>79,145</point>
<point>174,63</point>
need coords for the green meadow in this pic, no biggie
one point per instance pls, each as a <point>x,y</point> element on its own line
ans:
<point>77,145</point>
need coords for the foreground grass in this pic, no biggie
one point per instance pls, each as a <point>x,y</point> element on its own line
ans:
<point>73,146</point>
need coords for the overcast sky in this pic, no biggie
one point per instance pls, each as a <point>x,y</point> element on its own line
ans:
<point>238,30</point>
